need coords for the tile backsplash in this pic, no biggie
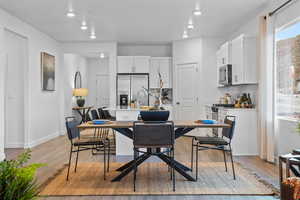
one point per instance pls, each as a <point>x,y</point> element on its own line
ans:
<point>236,91</point>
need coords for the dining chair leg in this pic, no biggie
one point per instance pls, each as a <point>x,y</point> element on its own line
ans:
<point>104,163</point>
<point>225,159</point>
<point>197,150</point>
<point>192,155</point>
<point>76,159</point>
<point>232,164</point>
<point>173,169</point>
<point>108,155</point>
<point>135,169</point>
<point>70,158</point>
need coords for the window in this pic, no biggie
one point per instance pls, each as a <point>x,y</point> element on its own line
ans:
<point>287,59</point>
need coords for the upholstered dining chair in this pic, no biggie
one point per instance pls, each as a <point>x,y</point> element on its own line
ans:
<point>215,143</point>
<point>153,135</point>
<point>100,142</point>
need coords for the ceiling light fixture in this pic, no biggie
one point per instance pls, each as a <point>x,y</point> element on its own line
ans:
<point>102,55</point>
<point>185,35</point>
<point>83,25</point>
<point>197,11</point>
<point>93,35</point>
<point>71,14</point>
<point>190,24</point>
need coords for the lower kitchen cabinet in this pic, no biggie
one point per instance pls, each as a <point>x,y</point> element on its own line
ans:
<point>245,139</point>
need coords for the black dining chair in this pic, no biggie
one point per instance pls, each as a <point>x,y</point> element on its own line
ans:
<point>153,135</point>
<point>101,113</point>
<point>83,144</point>
<point>94,114</point>
<point>104,114</point>
<point>215,143</point>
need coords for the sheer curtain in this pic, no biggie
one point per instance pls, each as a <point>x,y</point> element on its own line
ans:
<point>267,123</point>
<point>266,88</point>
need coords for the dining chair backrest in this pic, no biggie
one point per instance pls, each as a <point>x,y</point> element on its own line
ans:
<point>107,115</point>
<point>101,113</point>
<point>94,114</point>
<point>229,132</point>
<point>72,129</point>
<point>153,134</point>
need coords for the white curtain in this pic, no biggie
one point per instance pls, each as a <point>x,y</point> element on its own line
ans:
<point>266,88</point>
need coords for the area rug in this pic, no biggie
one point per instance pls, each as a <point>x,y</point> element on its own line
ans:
<point>153,178</point>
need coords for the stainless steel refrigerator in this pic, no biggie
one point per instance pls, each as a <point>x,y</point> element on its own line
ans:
<point>135,86</point>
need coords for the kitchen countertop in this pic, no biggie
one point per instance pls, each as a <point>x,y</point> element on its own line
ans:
<point>118,108</point>
<point>231,108</point>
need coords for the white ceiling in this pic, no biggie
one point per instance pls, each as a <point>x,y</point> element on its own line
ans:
<point>133,20</point>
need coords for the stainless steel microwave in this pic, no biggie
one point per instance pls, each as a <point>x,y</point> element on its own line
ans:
<point>225,75</point>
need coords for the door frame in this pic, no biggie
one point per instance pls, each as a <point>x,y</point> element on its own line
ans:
<point>26,96</point>
<point>175,86</point>
<point>109,92</point>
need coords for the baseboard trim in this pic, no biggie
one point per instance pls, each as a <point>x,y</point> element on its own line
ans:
<point>14,145</point>
<point>42,140</point>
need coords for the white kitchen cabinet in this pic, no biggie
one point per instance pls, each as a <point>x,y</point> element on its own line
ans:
<point>133,64</point>
<point>125,64</point>
<point>244,140</point>
<point>162,65</point>
<point>224,54</point>
<point>243,60</point>
<point>141,64</point>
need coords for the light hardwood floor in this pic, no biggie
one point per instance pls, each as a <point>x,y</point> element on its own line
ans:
<point>55,154</point>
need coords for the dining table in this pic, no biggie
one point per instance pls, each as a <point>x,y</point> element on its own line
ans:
<point>181,127</point>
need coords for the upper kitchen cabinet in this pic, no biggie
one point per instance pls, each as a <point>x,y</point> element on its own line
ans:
<point>133,64</point>
<point>224,54</point>
<point>160,65</point>
<point>141,64</point>
<point>243,60</point>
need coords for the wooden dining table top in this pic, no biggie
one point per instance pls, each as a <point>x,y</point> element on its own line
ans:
<point>177,124</point>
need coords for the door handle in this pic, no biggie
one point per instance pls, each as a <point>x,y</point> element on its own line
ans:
<point>177,103</point>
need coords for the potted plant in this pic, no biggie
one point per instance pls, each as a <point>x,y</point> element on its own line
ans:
<point>17,180</point>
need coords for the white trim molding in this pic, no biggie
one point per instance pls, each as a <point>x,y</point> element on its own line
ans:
<point>42,140</point>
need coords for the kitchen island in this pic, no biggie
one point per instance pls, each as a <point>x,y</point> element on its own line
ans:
<point>124,146</point>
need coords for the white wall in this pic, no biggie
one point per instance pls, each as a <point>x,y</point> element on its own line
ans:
<point>155,50</point>
<point>96,66</point>
<point>109,48</point>
<point>72,64</point>
<point>43,112</point>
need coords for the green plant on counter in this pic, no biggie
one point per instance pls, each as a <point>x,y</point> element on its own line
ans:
<point>17,180</point>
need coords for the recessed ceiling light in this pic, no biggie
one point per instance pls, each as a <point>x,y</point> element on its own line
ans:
<point>190,24</point>
<point>197,12</point>
<point>185,35</point>
<point>93,37</point>
<point>83,25</point>
<point>102,55</point>
<point>71,14</point>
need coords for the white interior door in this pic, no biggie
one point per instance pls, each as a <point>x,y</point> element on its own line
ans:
<point>186,90</point>
<point>16,47</point>
<point>102,90</point>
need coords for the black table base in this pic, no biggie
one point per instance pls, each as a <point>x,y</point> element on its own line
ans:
<point>128,167</point>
